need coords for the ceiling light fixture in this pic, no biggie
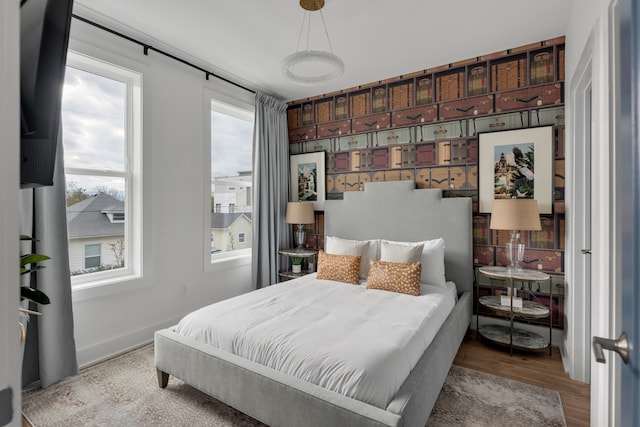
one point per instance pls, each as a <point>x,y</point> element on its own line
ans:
<point>308,66</point>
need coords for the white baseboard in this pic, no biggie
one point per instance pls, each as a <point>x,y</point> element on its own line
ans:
<point>117,345</point>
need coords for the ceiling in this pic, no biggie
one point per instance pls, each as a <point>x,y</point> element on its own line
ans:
<point>246,41</point>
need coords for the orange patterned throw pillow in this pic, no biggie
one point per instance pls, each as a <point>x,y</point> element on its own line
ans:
<point>341,268</point>
<point>395,277</point>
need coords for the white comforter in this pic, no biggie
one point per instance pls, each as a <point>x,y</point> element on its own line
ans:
<point>355,341</point>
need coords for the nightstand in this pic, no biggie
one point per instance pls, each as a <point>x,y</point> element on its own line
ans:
<point>511,336</point>
<point>296,252</point>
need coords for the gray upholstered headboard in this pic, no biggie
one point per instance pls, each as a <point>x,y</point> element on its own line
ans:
<point>398,211</point>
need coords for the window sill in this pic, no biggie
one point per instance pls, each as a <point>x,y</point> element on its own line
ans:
<point>106,287</point>
<point>219,263</point>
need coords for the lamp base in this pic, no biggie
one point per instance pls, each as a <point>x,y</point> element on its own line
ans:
<point>512,251</point>
<point>299,236</point>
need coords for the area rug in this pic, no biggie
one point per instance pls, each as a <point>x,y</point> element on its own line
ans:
<point>472,398</point>
<point>123,391</point>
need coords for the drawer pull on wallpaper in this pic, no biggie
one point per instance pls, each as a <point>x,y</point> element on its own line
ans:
<point>497,124</point>
<point>465,110</point>
<point>414,118</point>
<point>370,124</point>
<point>440,131</point>
<point>526,101</point>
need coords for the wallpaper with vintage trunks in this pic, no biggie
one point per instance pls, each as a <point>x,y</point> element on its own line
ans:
<point>424,127</point>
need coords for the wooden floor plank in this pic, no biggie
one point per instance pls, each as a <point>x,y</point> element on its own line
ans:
<point>537,369</point>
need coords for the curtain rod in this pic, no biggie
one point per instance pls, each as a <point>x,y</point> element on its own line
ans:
<point>146,48</point>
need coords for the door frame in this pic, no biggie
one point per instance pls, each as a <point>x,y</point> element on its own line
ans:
<point>591,311</point>
<point>578,298</point>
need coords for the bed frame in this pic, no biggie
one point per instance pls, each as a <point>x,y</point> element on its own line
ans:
<point>388,210</point>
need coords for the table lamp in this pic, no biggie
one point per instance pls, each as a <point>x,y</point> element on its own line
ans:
<point>300,213</point>
<point>515,215</point>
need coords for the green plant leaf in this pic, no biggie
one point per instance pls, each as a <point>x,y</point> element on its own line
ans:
<point>29,264</point>
<point>34,295</point>
<point>32,258</point>
<point>25,270</point>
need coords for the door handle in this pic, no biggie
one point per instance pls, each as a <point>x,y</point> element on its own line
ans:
<point>620,346</point>
<point>585,251</point>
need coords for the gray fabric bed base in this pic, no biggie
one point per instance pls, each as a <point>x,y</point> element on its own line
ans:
<point>281,400</point>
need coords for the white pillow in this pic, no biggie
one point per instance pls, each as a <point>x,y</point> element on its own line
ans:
<point>367,249</point>
<point>432,259</point>
<point>400,251</point>
<point>433,262</point>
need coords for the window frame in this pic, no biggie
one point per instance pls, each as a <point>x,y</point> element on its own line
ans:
<point>132,173</point>
<point>99,256</point>
<point>242,107</point>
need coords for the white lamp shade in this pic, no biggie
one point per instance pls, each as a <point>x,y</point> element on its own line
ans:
<point>300,213</point>
<point>515,214</point>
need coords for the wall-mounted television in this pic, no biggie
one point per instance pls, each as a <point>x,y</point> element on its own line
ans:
<point>44,39</point>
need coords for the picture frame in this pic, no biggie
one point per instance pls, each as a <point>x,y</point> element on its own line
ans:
<point>516,164</point>
<point>308,178</point>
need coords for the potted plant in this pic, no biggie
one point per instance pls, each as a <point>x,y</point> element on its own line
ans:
<point>29,264</point>
<point>296,264</point>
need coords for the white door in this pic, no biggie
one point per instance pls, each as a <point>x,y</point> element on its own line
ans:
<point>625,384</point>
<point>628,208</point>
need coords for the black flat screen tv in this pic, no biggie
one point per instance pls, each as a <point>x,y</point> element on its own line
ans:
<point>44,39</point>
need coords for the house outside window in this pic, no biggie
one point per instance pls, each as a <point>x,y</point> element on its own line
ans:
<point>231,180</point>
<point>101,128</point>
<point>92,255</point>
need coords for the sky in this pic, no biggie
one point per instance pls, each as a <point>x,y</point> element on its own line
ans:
<point>232,147</point>
<point>93,120</point>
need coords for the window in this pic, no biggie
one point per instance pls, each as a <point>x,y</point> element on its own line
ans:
<point>117,217</point>
<point>101,122</point>
<point>231,179</point>
<point>92,256</point>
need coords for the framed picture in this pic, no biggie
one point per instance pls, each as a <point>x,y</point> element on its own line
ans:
<point>516,164</point>
<point>307,179</point>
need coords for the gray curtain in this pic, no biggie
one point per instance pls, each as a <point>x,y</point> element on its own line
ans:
<point>50,350</point>
<point>270,189</point>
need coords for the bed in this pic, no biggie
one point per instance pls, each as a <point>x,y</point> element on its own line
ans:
<point>393,211</point>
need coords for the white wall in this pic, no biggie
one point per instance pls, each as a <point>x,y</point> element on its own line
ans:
<point>175,281</point>
<point>583,17</point>
<point>9,182</point>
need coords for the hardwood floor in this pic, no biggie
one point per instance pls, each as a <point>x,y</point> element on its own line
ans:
<point>537,369</point>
